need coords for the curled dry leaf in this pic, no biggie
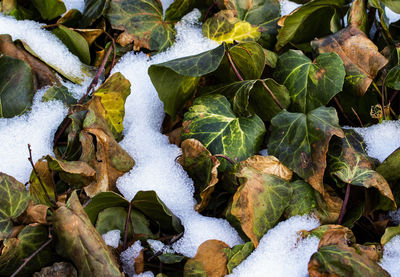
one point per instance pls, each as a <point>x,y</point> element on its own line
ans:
<point>61,269</point>
<point>360,56</point>
<point>79,241</point>
<point>35,214</point>
<point>42,74</point>
<point>210,260</point>
<point>269,165</point>
<point>202,167</point>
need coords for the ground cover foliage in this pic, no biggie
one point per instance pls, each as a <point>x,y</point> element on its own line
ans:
<point>286,83</point>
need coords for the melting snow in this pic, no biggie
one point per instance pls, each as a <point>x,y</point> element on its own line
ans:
<point>287,7</point>
<point>112,238</point>
<point>37,128</point>
<point>393,17</point>
<point>391,256</point>
<point>128,256</point>
<point>381,139</point>
<point>155,167</point>
<point>74,4</point>
<point>281,253</point>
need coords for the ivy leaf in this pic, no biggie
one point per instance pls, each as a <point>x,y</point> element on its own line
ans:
<point>350,164</point>
<point>393,5</point>
<point>393,78</point>
<point>358,16</point>
<point>300,141</point>
<point>35,188</point>
<point>266,164</point>
<point>390,232</point>
<point>93,10</point>
<point>112,94</point>
<point>102,201</point>
<point>259,202</point>
<point>49,9</point>
<point>211,121</point>
<point>238,254</point>
<point>201,167</point>
<point>142,22</point>
<point>151,206</point>
<point>59,93</point>
<point>16,250</point>
<point>302,200</point>
<point>178,9</point>
<point>210,260</point>
<point>310,84</point>
<point>175,80</point>
<point>79,241</point>
<point>74,41</point>
<point>225,27</point>
<point>16,86</point>
<point>388,169</point>
<point>14,200</point>
<point>311,20</point>
<point>264,14</point>
<point>360,56</point>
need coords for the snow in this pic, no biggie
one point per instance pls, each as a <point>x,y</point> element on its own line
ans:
<point>37,128</point>
<point>281,252</point>
<point>155,167</point>
<point>37,38</point>
<point>395,216</point>
<point>287,7</point>
<point>165,4</point>
<point>391,256</point>
<point>112,238</point>
<point>263,152</point>
<point>75,4</point>
<point>381,139</point>
<point>128,256</point>
<point>158,246</point>
<point>391,15</point>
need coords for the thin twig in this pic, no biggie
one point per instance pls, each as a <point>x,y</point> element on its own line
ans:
<point>233,66</point>
<point>358,118</point>
<point>383,98</point>
<point>32,255</point>
<point>37,174</point>
<point>114,50</point>
<point>50,26</point>
<point>393,97</point>
<point>226,158</point>
<point>345,201</point>
<point>208,11</point>
<point>342,111</point>
<point>126,227</point>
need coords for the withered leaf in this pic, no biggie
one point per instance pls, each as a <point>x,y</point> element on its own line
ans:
<point>78,240</point>
<point>201,166</point>
<point>210,260</point>
<point>360,56</point>
<point>36,190</point>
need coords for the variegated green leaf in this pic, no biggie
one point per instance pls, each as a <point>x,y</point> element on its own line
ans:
<point>259,202</point>
<point>311,84</point>
<point>142,22</point>
<point>14,199</point>
<point>211,121</point>
<point>176,80</point>
<point>303,199</point>
<point>178,9</point>
<point>238,254</point>
<point>300,141</point>
<point>16,250</point>
<point>350,164</point>
<point>49,9</point>
<point>225,27</point>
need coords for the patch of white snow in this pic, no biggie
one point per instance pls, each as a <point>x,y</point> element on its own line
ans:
<point>75,4</point>
<point>112,238</point>
<point>155,167</point>
<point>128,256</point>
<point>288,6</point>
<point>36,127</point>
<point>381,139</point>
<point>166,4</point>
<point>281,252</point>
<point>391,257</point>
<point>391,15</point>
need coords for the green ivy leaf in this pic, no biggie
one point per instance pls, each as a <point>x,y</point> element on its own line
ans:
<point>388,169</point>
<point>390,232</point>
<point>300,141</point>
<point>74,41</point>
<point>152,207</point>
<point>35,188</point>
<point>60,93</point>
<point>309,21</point>
<point>175,80</point>
<point>225,27</point>
<point>178,9</point>
<point>343,261</point>
<point>49,9</point>
<point>311,84</point>
<point>142,22</point>
<point>350,164</point>
<point>302,200</point>
<point>14,199</point>
<point>392,4</point>
<point>393,78</point>
<point>15,250</point>
<point>238,254</point>
<point>211,121</point>
<point>93,10</point>
<point>16,86</point>
<point>259,202</point>
<point>79,241</point>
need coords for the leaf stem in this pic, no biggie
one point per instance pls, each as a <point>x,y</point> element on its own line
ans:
<point>233,65</point>
<point>226,158</point>
<point>342,111</point>
<point>358,118</point>
<point>126,226</point>
<point>32,255</point>
<point>272,95</point>
<point>345,201</point>
<point>114,51</point>
<point>208,11</point>
<point>37,174</point>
